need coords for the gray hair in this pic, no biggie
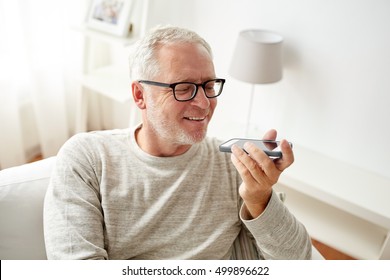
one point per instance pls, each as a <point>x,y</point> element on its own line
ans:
<point>143,62</point>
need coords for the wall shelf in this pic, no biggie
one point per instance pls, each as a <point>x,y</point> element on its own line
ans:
<point>106,37</point>
<point>112,81</point>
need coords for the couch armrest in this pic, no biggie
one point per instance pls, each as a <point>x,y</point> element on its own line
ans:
<point>22,192</point>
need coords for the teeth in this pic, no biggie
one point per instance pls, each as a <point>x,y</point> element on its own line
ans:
<point>195,119</point>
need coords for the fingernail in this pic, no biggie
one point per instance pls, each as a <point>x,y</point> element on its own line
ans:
<point>236,149</point>
<point>248,145</point>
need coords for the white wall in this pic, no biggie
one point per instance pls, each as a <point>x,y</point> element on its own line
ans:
<point>335,93</point>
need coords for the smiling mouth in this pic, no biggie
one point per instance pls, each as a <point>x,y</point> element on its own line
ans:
<point>195,118</point>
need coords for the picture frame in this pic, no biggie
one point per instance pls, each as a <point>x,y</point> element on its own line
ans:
<point>110,16</point>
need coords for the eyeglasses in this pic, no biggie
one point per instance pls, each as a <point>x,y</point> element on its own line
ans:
<point>185,91</point>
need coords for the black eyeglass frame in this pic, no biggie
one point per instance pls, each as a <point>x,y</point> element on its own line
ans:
<point>172,86</point>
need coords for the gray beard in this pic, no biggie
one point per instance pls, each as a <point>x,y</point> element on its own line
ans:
<point>170,131</point>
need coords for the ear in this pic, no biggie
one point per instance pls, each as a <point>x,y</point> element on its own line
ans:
<point>138,95</point>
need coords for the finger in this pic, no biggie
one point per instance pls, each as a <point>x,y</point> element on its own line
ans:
<point>237,157</point>
<point>262,159</point>
<point>270,135</point>
<point>245,160</point>
<point>288,156</point>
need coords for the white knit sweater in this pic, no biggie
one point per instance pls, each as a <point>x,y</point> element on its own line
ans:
<point>108,199</point>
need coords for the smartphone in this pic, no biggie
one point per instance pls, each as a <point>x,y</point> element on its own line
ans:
<point>270,147</point>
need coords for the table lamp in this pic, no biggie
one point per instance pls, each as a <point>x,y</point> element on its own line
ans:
<point>257,59</point>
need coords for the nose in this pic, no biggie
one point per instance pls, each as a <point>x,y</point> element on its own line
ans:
<point>201,99</point>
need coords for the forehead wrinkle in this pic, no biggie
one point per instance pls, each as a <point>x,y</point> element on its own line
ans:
<point>183,72</point>
<point>187,74</point>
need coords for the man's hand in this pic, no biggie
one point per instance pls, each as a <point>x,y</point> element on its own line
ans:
<point>259,173</point>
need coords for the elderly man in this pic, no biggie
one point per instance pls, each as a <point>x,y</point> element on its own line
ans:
<point>162,190</point>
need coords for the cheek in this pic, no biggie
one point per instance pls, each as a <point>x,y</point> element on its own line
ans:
<point>159,101</point>
<point>172,109</point>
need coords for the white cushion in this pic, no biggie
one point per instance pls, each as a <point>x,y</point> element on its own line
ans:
<point>22,191</point>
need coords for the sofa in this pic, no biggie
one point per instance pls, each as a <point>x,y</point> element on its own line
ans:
<point>22,192</point>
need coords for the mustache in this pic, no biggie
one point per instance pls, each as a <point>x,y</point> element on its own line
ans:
<point>197,113</point>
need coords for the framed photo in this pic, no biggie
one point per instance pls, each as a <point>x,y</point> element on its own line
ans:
<point>110,16</point>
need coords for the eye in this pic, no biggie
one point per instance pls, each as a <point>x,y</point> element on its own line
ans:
<point>210,86</point>
<point>184,88</point>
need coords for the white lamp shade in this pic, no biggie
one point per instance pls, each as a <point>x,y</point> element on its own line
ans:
<point>257,58</point>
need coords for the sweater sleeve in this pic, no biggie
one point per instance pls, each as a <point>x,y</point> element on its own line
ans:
<point>278,234</point>
<point>73,218</point>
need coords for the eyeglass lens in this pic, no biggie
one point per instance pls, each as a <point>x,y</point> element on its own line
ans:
<point>186,91</point>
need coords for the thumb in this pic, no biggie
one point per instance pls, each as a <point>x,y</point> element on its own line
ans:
<point>270,135</point>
